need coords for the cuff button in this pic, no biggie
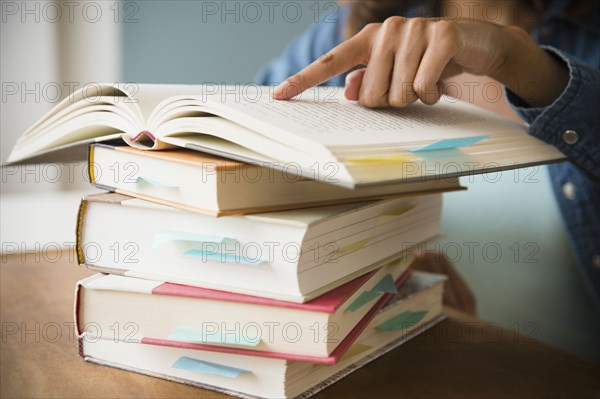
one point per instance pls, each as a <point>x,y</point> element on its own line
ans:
<point>570,136</point>
<point>596,261</point>
<point>569,191</point>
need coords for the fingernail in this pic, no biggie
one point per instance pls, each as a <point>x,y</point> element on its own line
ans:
<point>347,93</point>
<point>348,78</point>
<point>279,90</point>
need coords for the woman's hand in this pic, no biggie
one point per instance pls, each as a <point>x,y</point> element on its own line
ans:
<point>457,293</point>
<point>408,59</point>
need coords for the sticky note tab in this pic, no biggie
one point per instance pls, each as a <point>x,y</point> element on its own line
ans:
<point>354,350</point>
<point>381,160</point>
<point>201,366</point>
<point>386,285</point>
<point>168,236</point>
<point>451,143</point>
<point>398,211</point>
<point>353,247</point>
<point>441,154</point>
<point>213,337</point>
<point>403,320</point>
<point>223,257</point>
<point>153,182</point>
<point>362,300</point>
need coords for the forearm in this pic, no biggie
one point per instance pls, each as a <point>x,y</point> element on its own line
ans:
<point>530,72</point>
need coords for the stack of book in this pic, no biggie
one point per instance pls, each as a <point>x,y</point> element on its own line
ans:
<point>274,277</point>
<point>274,304</point>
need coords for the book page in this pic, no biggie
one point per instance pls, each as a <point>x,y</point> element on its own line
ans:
<point>322,119</point>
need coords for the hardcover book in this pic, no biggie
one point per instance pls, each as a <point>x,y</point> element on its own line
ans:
<point>176,312</point>
<point>417,307</point>
<point>205,183</point>
<point>294,255</point>
<point>321,134</point>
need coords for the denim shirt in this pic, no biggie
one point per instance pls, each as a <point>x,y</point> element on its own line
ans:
<point>571,123</point>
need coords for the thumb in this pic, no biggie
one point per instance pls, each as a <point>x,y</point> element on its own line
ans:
<point>353,82</point>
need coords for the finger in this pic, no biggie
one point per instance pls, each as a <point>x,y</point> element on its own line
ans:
<point>376,81</point>
<point>450,298</point>
<point>457,293</point>
<point>345,56</point>
<point>427,261</point>
<point>406,64</point>
<point>353,82</point>
<point>460,292</point>
<point>464,293</point>
<point>443,46</point>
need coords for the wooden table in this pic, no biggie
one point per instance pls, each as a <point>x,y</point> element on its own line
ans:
<point>462,357</point>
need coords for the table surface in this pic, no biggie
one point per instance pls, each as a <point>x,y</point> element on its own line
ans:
<point>462,357</point>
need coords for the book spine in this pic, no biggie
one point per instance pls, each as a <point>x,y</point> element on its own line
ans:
<point>78,231</point>
<point>92,163</point>
<point>80,338</point>
<point>76,310</point>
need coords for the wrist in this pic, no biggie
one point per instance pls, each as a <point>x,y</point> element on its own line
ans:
<point>529,71</point>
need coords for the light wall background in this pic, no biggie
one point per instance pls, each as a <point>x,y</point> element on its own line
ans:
<point>531,286</point>
<point>211,41</point>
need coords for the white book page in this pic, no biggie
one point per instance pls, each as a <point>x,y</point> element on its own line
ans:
<point>151,98</point>
<point>321,119</point>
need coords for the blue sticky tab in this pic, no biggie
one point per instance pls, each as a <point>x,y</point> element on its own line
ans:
<point>362,300</point>
<point>386,285</point>
<point>440,154</point>
<point>200,366</point>
<point>154,182</point>
<point>167,236</point>
<point>452,143</point>
<point>223,257</point>
<point>213,337</point>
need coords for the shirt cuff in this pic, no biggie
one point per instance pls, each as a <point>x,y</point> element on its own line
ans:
<point>568,122</point>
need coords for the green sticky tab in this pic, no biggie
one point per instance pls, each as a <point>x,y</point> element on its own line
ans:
<point>201,366</point>
<point>154,182</point>
<point>213,337</point>
<point>386,285</point>
<point>403,320</point>
<point>362,300</point>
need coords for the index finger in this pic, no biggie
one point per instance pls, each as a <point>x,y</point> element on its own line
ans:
<point>340,59</point>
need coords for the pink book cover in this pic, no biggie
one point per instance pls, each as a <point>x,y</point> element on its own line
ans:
<point>331,359</point>
<point>326,303</point>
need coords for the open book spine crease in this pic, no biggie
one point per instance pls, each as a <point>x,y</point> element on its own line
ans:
<point>142,134</point>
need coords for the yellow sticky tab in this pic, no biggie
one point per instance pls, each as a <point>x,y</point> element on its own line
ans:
<point>355,349</point>
<point>382,160</point>
<point>398,211</point>
<point>353,247</point>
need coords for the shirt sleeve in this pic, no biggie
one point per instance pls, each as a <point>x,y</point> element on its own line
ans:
<point>309,46</point>
<point>570,123</point>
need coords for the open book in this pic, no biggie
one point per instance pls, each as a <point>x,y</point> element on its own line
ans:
<point>319,135</point>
